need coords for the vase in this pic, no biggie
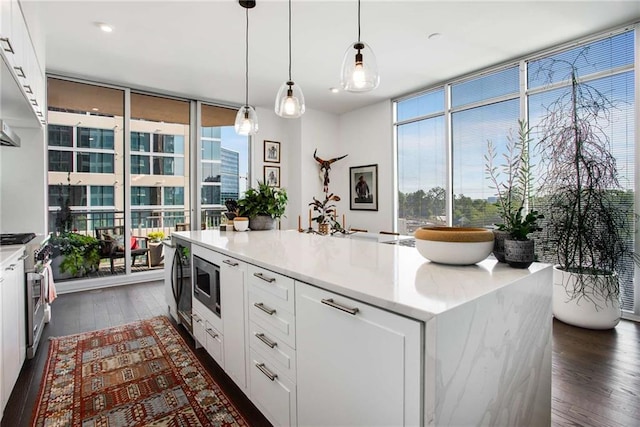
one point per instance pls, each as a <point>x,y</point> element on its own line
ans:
<point>594,306</point>
<point>323,228</point>
<point>519,253</point>
<point>262,222</point>
<point>498,244</point>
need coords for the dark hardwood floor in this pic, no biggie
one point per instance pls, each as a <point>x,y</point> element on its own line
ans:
<point>86,311</point>
<point>596,374</point>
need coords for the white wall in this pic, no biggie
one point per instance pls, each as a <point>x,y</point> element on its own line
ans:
<point>366,135</point>
<point>23,184</point>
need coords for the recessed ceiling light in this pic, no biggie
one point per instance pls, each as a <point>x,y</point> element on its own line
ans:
<point>104,27</point>
<point>95,109</point>
<point>434,36</point>
<point>334,90</point>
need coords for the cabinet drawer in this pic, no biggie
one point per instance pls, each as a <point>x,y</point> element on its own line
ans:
<point>198,325</point>
<point>265,312</point>
<point>274,394</point>
<point>278,353</point>
<point>214,344</point>
<point>280,287</point>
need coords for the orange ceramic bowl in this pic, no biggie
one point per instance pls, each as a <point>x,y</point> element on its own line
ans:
<point>454,245</point>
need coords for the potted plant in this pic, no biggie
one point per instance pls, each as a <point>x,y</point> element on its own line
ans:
<point>263,206</point>
<point>589,217</point>
<point>519,250</point>
<point>326,210</point>
<point>74,254</point>
<point>512,182</point>
<point>156,252</point>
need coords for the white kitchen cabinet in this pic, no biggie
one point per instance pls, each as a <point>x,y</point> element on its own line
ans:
<point>273,393</point>
<point>358,365</point>
<point>205,333</point>
<point>17,48</point>
<point>234,318</point>
<point>13,344</point>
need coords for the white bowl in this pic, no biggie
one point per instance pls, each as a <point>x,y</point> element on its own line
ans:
<point>454,245</point>
<point>241,223</point>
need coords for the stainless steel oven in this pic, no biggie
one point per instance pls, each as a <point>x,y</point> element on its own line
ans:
<point>206,284</point>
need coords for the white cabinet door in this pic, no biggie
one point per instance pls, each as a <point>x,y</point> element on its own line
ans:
<point>13,323</point>
<point>357,365</point>
<point>234,318</point>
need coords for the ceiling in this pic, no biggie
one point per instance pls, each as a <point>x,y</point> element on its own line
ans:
<point>196,48</point>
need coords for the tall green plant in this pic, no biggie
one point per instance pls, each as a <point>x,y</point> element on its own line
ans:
<point>589,230</point>
<point>512,182</point>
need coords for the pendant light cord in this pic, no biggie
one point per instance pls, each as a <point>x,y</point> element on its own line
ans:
<point>246,62</point>
<point>358,21</point>
<point>289,40</point>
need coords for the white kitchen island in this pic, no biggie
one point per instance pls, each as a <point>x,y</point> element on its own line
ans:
<point>369,333</point>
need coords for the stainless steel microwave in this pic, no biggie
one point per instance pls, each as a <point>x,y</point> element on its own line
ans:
<point>206,284</point>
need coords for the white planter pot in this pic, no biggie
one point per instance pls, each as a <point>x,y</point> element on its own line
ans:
<point>594,312</point>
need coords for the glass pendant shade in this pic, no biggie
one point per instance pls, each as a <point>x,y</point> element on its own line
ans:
<point>359,68</point>
<point>290,101</point>
<point>246,121</point>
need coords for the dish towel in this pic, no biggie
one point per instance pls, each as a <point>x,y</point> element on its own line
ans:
<point>51,286</point>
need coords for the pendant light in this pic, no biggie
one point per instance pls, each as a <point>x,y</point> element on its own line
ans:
<point>246,119</point>
<point>359,67</point>
<point>289,100</point>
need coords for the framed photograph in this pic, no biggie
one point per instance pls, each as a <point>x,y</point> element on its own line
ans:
<point>272,176</point>
<point>271,151</point>
<point>363,188</point>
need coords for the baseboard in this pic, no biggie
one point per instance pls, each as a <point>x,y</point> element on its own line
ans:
<point>80,285</point>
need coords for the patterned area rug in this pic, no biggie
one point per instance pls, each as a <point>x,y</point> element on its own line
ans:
<point>140,374</point>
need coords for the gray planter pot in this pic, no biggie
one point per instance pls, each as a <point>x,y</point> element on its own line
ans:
<point>498,244</point>
<point>519,253</point>
<point>262,222</point>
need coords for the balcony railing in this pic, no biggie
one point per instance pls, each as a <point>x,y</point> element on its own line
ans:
<point>143,222</point>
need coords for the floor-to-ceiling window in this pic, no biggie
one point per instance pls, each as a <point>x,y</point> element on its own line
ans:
<point>486,107</point>
<point>142,181</point>
<point>224,162</point>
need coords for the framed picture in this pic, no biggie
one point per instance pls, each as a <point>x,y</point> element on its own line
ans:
<point>271,151</point>
<point>363,188</point>
<point>272,176</point>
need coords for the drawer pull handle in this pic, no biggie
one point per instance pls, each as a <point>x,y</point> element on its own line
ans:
<point>23,257</point>
<point>211,334</point>
<point>231,263</point>
<point>265,371</point>
<point>27,88</point>
<point>265,278</point>
<point>196,318</point>
<point>331,303</point>
<point>11,267</point>
<point>266,340</point>
<point>261,306</point>
<point>19,72</point>
<point>8,47</point>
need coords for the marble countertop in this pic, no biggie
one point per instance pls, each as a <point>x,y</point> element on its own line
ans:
<point>393,277</point>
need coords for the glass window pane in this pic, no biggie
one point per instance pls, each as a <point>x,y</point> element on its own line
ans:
<point>95,138</point>
<point>210,150</point>
<point>211,195</point>
<point>421,173</point>
<point>145,196</point>
<point>140,165</point>
<point>500,83</point>
<point>210,172</point>
<point>60,136</point>
<point>140,141</point>
<point>173,144</point>
<point>422,105</point>
<point>601,55</point>
<point>95,162</point>
<point>474,202</point>
<point>60,161</point>
<point>75,194</point>
<point>102,195</point>
<point>173,196</point>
